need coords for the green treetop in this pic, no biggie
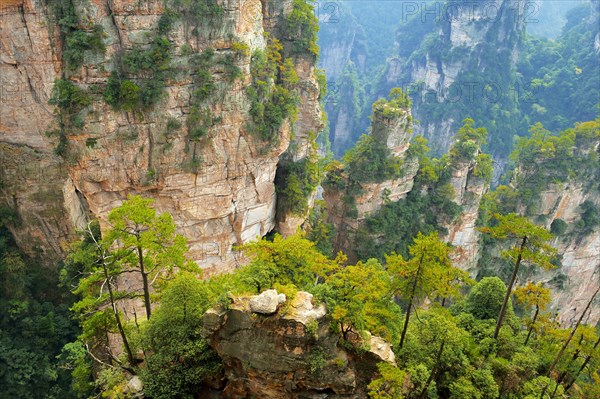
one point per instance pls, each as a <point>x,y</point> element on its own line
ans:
<point>358,298</point>
<point>533,295</point>
<point>145,243</point>
<point>421,276</point>
<point>530,247</point>
<point>468,142</point>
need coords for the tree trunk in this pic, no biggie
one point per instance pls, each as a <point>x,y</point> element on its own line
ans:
<point>433,370</point>
<point>117,316</point>
<point>147,303</point>
<point>583,366</point>
<point>410,300</point>
<point>509,288</point>
<point>537,311</point>
<point>568,340</point>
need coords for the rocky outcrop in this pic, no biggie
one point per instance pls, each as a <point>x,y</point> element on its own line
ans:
<point>453,73</point>
<point>463,234</point>
<point>392,128</point>
<point>32,177</point>
<point>290,354</point>
<point>578,277</point>
<point>219,189</point>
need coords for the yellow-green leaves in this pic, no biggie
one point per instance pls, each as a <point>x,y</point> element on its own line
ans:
<point>286,260</point>
<point>427,273</point>
<point>392,383</point>
<point>529,246</point>
<point>532,295</point>
<point>529,239</point>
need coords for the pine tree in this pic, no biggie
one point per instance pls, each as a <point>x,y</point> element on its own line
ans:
<point>530,247</point>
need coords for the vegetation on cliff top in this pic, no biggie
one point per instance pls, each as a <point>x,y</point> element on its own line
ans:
<point>450,349</point>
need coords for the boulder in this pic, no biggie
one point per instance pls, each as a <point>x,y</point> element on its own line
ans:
<point>266,302</point>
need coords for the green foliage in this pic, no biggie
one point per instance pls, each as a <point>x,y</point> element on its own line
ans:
<point>295,182</point>
<point>272,96</point>
<point>371,160</point>
<point>545,159</point>
<point>199,121</point>
<point>560,75</point>
<point>319,230</point>
<point>468,142</point>
<point>558,227</point>
<point>301,26</point>
<point>392,228</point>
<point>359,298</point>
<point>322,82</point>
<point>70,102</point>
<point>179,359</point>
<point>485,298</point>
<point>484,168</point>
<point>145,242</point>
<point>293,260</point>
<point>316,360</point>
<point>76,38</point>
<point>122,94</point>
<point>391,383</point>
<point>204,84</point>
<point>395,106</point>
<point>426,274</point>
<point>590,217</point>
<point>444,355</point>
<point>151,66</point>
<point>67,96</point>
<point>200,15</point>
<point>34,324</point>
<point>530,247</point>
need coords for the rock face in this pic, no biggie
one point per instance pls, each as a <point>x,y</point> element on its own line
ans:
<point>468,36</point>
<point>290,354</point>
<point>395,133</point>
<point>266,302</point>
<point>579,276</point>
<point>219,189</point>
<point>462,233</point>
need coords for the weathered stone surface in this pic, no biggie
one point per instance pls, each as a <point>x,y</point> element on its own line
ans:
<point>303,310</point>
<point>226,199</point>
<point>266,302</point>
<point>462,232</point>
<point>395,133</point>
<point>135,385</point>
<point>580,253</point>
<point>271,356</point>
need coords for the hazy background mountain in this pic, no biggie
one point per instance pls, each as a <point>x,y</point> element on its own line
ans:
<point>508,64</point>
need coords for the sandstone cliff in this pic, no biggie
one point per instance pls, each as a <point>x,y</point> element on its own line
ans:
<point>361,187</point>
<point>470,57</point>
<point>219,187</point>
<point>463,234</point>
<point>283,348</point>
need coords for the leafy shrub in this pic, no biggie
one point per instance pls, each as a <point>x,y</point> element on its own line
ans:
<point>370,160</point>
<point>241,49</point>
<point>302,27</point>
<point>271,94</point>
<point>198,122</point>
<point>75,39</point>
<point>295,181</point>
<point>122,94</point>
<point>180,359</point>
<point>69,100</point>
<point>485,299</point>
<point>558,227</point>
<point>484,168</point>
<point>68,97</point>
<point>590,216</point>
